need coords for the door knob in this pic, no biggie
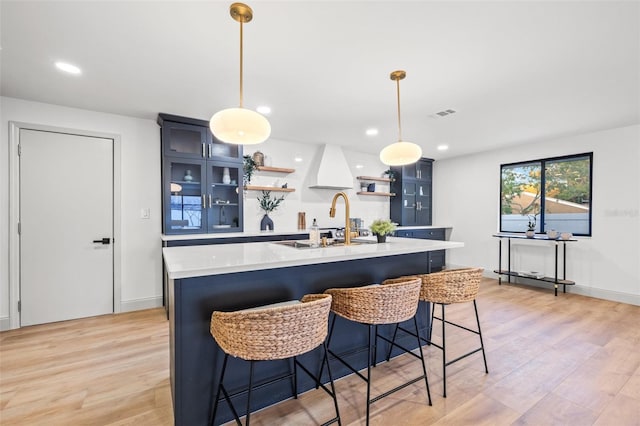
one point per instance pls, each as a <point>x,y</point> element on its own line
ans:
<point>103,241</point>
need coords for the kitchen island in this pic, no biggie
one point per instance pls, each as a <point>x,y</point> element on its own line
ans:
<point>238,276</point>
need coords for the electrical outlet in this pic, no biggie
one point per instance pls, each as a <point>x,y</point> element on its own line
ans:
<point>145,213</point>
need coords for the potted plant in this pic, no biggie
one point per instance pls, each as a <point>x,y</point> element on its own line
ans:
<point>381,228</point>
<point>248,167</point>
<point>268,204</point>
<point>531,226</point>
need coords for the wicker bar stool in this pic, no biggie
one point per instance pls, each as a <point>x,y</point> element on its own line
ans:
<point>376,305</point>
<point>445,288</point>
<point>273,332</point>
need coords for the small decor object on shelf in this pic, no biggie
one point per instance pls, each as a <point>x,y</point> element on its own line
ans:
<point>552,234</point>
<point>531,226</point>
<point>188,177</point>
<point>226,178</point>
<point>371,187</point>
<point>390,174</point>
<point>566,235</point>
<point>381,228</point>
<point>268,204</point>
<point>258,158</point>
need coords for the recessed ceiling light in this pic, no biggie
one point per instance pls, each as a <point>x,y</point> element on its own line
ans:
<point>263,109</point>
<point>372,132</point>
<point>359,166</point>
<point>66,67</point>
<point>443,147</point>
<point>298,159</point>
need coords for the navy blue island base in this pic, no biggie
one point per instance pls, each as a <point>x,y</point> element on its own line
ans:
<point>196,359</point>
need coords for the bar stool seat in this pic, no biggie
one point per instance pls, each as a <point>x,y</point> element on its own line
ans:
<point>273,332</point>
<point>376,305</point>
<point>444,288</point>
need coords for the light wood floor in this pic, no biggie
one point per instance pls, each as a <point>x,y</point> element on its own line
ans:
<point>566,360</point>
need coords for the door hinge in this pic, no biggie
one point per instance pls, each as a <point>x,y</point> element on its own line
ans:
<point>19,305</point>
<point>19,229</point>
<point>19,150</point>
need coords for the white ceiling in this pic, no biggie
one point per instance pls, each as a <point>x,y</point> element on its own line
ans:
<point>515,71</point>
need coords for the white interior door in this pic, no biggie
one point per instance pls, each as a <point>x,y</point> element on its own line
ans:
<point>66,202</point>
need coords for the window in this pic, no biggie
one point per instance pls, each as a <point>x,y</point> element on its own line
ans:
<point>555,193</point>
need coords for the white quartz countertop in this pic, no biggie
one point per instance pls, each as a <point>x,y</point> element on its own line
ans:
<point>196,261</point>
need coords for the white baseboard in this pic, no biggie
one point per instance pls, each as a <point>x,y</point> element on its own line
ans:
<point>125,306</point>
<point>5,324</point>
<point>598,293</point>
<point>614,296</point>
<point>140,304</point>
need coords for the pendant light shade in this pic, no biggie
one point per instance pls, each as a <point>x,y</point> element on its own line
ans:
<point>402,152</point>
<point>240,125</point>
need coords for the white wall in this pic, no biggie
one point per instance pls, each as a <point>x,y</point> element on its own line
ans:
<point>314,202</point>
<point>141,275</point>
<point>140,177</point>
<point>606,265</point>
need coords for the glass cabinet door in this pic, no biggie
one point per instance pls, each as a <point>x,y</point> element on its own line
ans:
<point>422,170</point>
<point>184,199</point>
<point>185,140</point>
<point>409,203</point>
<point>224,196</point>
<point>224,151</point>
<point>423,203</point>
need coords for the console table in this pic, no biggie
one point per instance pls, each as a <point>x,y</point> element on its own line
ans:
<point>509,273</point>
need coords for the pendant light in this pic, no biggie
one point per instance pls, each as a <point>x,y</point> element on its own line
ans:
<point>240,125</point>
<point>402,152</point>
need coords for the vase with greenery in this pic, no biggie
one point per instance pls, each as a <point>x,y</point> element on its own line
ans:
<point>268,204</point>
<point>381,228</point>
<point>531,226</point>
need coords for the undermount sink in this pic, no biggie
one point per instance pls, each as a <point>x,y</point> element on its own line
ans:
<point>305,244</point>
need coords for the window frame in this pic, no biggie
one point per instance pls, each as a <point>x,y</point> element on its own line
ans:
<point>543,185</point>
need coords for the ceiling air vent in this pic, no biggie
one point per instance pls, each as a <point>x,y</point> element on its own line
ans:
<point>443,113</point>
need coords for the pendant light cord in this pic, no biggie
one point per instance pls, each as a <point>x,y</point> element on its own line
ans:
<point>241,55</point>
<point>399,125</point>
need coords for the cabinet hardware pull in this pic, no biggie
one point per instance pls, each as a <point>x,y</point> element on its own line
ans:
<point>210,149</point>
<point>103,241</point>
<point>210,201</point>
<point>204,154</point>
<point>204,201</point>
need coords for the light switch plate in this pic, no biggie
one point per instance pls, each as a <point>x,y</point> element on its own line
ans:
<point>145,213</point>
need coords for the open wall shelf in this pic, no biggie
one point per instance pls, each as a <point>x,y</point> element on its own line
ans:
<point>373,179</point>
<point>275,169</point>
<point>268,188</point>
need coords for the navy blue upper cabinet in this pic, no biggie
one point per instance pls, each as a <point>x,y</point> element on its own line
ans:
<point>201,179</point>
<point>191,138</point>
<point>412,204</point>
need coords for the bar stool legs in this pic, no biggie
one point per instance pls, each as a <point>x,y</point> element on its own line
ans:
<point>373,336</point>
<point>443,347</point>
<point>296,365</point>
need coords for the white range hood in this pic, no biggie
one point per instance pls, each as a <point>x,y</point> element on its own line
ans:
<point>332,171</point>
